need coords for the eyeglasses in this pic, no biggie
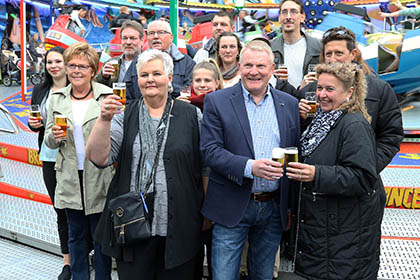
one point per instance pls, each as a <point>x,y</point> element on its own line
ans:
<point>82,67</point>
<point>160,33</point>
<point>341,32</point>
<point>292,12</point>
<point>130,38</point>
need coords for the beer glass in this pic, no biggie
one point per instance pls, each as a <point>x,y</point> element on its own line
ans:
<point>35,112</point>
<point>312,69</point>
<point>278,155</point>
<point>120,90</point>
<point>61,121</point>
<point>185,92</point>
<point>291,154</point>
<point>310,96</point>
<point>114,63</point>
<point>283,71</point>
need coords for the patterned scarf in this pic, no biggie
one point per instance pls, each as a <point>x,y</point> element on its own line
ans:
<point>150,142</point>
<point>318,130</point>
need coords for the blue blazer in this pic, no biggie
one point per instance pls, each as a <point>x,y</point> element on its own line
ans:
<point>226,145</point>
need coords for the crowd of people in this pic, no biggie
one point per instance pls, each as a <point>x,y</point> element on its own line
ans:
<point>204,160</point>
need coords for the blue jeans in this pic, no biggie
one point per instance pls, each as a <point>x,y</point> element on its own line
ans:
<point>261,224</point>
<point>81,230</point>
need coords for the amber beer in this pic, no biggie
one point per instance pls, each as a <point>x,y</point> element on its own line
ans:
<point>314,105</point>
<point>282,69</point>
<point>120,90</point>
<point>36,114</point>
<point>61,121</point>
<point>35,111</point>
<point>278,155</point>
<point>291,155</point>
<point>114,64</point>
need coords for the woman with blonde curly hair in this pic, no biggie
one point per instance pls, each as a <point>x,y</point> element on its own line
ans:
<point>339,211</point>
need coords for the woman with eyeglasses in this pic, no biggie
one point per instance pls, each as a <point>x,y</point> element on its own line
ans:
<point>81,186</point>
<point>228,48</point>
<point>55,79</point>
<point>339,208</point>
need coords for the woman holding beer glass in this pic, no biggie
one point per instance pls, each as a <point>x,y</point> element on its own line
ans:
<point>338,213</point>
<point>160,137</point>
<point>228,48</point>
<point>81,187</point>
<point>55,79</point>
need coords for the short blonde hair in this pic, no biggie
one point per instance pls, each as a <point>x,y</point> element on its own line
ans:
<point>258,45</point>
<point>83,50</point>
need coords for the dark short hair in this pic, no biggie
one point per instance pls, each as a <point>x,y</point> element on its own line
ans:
<point>134,25</point>
<point>338,34</point>
<point>224,13</point>
<point>298,2</point>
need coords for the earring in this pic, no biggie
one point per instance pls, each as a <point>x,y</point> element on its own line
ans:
<point>347,99</point>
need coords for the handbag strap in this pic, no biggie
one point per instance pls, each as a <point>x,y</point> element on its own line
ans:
<point>164,119</point>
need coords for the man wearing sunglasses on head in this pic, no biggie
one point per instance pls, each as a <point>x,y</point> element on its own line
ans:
<point>293,42</point>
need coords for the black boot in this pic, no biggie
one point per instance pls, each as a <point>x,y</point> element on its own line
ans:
<point>65,273</point>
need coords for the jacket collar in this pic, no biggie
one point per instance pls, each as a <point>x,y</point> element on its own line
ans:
<point>175,53</point>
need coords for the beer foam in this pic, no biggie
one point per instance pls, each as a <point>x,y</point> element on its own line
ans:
<point>291,151</point>
<point>278,153</point>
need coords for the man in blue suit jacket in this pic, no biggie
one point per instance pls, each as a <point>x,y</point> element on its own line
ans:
<point>247,193</point>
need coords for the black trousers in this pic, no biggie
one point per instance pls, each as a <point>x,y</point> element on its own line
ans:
<point>149,264</point>
<point>50,181</point>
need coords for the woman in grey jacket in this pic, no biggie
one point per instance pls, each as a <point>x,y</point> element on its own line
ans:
<point>339,208</point>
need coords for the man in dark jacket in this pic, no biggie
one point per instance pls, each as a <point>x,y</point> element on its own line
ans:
<point>132,41</point>
<point>121,18</point>
<point>159,36</point>
<point>293,41</point>
<point>339,45</point>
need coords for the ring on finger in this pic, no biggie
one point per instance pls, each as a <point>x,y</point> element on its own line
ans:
<point>106,106</point>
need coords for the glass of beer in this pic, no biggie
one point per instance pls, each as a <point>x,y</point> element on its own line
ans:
<point>312,69</point>
<point>120,90</point>
<point>291,154</point>
<point>35,112</point>
<point>283,71</point>
<point>61,121</point>
<point>185,92</point>
<point>278,155</point>
<point>114,63</point>
<point>310,96</point>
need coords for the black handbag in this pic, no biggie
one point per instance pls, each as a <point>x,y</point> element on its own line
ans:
<point>131,218</point>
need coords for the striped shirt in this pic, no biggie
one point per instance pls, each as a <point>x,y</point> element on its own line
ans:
<point>265,136</point>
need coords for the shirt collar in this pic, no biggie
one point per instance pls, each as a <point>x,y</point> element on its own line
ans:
<point>248,95</point>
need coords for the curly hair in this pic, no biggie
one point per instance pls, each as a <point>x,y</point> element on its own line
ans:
<point>350,75</point>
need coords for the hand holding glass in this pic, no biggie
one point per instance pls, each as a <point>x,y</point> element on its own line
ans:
<point>61,121</point>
